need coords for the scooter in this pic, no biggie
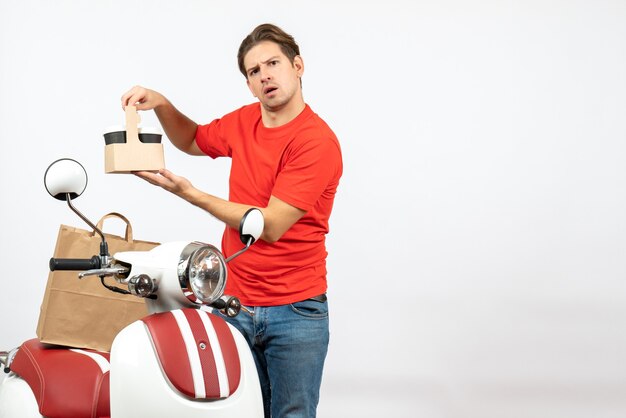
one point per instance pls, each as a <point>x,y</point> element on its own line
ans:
<point>179,361</point>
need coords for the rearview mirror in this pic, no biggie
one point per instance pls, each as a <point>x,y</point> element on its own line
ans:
<point>250,229</point>
<point>65,178</point>
<point>251,226</point>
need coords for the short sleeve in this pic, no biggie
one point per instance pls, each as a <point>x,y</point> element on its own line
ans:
<point>309,169</point>
<point>212,141</point>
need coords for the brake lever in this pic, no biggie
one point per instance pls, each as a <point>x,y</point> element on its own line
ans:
<point>110,271</point>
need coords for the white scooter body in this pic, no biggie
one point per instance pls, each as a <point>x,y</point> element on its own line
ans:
<point>138,384</point>
<point>17,398</point>
<point>176,362</point>
<point>139,388</point>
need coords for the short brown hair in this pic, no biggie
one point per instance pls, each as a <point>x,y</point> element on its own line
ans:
<point>267,32</point>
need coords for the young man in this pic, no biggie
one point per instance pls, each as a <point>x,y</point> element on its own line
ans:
<point>287,162</point>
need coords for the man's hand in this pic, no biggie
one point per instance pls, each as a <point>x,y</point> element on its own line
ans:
<point>180,130</point>
<point>143,98</point>
<point>169,181</point>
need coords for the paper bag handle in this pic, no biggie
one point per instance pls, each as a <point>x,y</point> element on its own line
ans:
<point>129,229</point>
<point>132,120</point>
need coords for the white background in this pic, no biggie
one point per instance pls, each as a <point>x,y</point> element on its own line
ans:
<point>477,246</point>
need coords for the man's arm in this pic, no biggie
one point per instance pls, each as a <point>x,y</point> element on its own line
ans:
<point>279,216</point>
<point>179,128</point>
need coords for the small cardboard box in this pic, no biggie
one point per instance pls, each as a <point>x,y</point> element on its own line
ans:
<point>133,155</point>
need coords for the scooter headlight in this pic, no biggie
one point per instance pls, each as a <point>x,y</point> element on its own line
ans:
<point>202,273</point>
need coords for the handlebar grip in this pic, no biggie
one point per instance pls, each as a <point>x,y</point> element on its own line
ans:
<point>75,263</point>
<point>218,304</point>
<point>229,305</point>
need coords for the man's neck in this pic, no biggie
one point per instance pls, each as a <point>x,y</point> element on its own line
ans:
<point>273,118</point>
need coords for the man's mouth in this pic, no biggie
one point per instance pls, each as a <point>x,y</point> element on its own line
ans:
<point>269,90</point>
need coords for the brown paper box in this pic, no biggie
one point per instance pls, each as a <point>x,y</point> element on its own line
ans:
<point>81,312</point>
<point>134,155</point>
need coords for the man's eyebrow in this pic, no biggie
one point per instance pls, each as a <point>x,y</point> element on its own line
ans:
<point>275,57</point>
<point>263,62</point>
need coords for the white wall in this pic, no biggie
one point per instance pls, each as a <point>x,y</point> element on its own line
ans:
<point>478,239</point>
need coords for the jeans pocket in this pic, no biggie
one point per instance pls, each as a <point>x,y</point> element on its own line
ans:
<point>310,309</point>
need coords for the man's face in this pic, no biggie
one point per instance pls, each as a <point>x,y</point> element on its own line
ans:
<point>272,78</point>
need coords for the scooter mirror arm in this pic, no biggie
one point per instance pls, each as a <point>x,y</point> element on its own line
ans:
<point>104,248</point>
<point>243,250</point>
<point>94,262</point>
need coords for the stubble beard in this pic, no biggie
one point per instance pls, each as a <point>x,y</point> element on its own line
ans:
<point>275,105</point>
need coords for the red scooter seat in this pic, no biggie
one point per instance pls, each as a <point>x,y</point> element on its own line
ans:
<point>66,382</point>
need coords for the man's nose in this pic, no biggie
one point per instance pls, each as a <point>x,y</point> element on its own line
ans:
<point>265,74</point>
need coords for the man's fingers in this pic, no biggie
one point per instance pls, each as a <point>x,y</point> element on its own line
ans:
<point>150,177</point>
<point>142,106</point>
<point>135,100</point>
<point>126,97</point>
<point>156,179</point>
<point>147,176</point>
<point>167,174</point>
<point>134,96</point>
<point>177,183</point>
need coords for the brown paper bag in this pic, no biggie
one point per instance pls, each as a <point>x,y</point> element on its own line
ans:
<point>81,312</point>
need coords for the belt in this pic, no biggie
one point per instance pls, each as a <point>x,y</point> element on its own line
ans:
<point>319,298</point>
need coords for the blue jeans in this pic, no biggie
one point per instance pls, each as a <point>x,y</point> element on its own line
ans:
<point>289,345</point>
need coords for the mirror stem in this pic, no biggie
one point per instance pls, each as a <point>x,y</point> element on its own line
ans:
<point>238,253</point>
<point>104,251</point>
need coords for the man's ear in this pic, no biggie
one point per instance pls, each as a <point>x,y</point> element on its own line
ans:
<point>250,87</point>
<point>298,64</point>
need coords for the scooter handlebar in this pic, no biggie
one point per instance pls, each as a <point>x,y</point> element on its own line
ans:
<point>75,263</point>
<point>229,305</point>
